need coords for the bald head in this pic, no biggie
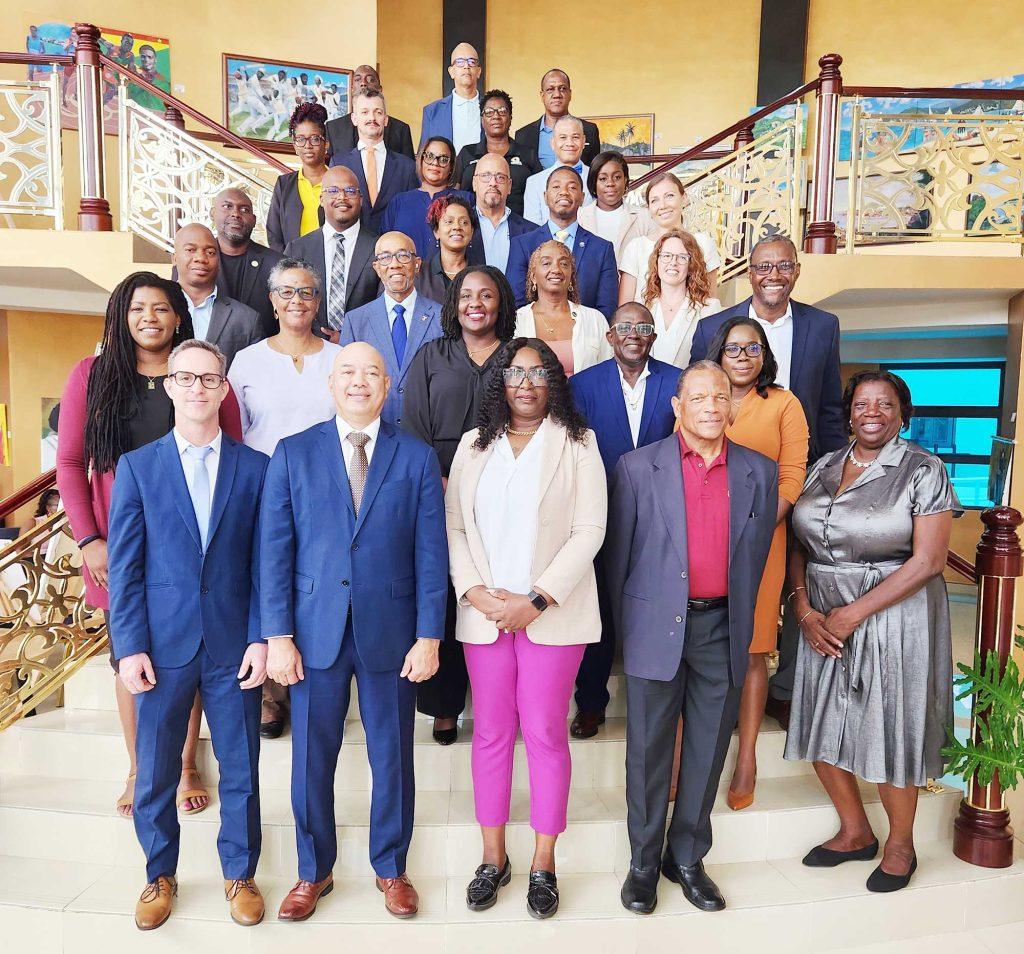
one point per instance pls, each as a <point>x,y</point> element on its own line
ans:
<point>492,184</point>
<point>341,208</point>
<point>366,75</point>
<point>396,264</point>
<point>359,384</point>
<point>631,335</point>
<point>465,69</point>
<point>233,219</point>
<point>197,259</point>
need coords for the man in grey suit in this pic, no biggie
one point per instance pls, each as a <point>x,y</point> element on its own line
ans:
<point>216,318</point>
<point>690,523</point>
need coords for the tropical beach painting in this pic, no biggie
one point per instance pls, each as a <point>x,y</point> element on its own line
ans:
<point>632,135</point>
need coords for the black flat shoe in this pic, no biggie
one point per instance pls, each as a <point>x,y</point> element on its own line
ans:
<point>482,891</point>
<point>542,895</point>
<point>446,736</point>
<point>881,882</point>
<point>639,892</point>
<point>821,857</point>
<point>272,730</point>
<point>697,887</point>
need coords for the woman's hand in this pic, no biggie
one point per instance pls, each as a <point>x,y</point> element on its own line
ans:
<point>517,611</point>
<point>842,621</point>
<point>484,600</point>
<point>95,556</point>
<point>812,626</point>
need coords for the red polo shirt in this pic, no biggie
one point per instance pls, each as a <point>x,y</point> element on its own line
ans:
<point>706,492</point>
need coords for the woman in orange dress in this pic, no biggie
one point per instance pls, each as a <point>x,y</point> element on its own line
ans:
<point>769,419</point>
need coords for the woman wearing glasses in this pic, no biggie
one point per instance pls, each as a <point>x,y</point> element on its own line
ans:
<point>295,205</point>
<point>526,505</point>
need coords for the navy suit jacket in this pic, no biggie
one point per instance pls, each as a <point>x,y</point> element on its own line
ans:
<point>814,372</point>
<point>596,270</point>
<point>372,325</point>
<point>437,120</point>
<point>399,176</point>
<point>646,560</point>
<point>166,596</point>
<point>384,572</point>
<point>598,395</point>
<point>517,225</point>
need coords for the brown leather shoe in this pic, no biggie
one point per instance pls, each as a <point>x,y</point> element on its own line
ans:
<point>300,903</point>
<point>246,901</point>
<point>400,897</point>
<point>585,725</point>
<point>778,709</point>
<point>154,904</point>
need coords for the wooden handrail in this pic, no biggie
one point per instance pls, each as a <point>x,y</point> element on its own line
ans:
<point>934,92</point>
<point>959,565</point>
<point>36,59</point>
<point>26,494</point>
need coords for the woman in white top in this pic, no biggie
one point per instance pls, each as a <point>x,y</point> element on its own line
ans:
<point>554,314</point>
<point>666,200</point>
<point>677,291</point>
<point>609,217</point>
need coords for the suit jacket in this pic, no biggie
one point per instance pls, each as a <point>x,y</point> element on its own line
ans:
<point>521,164</point>
<point>597,392</point>
<point>399,176</point>
<point>529,136</point>
<point>233,326</point>
<point>596,271</point>
<point>252,289</point>
<point>637,222</point>
<point>361,284</point>
<point>437,120</point>
<point>517,225</point>
<point>372,325</point>
<point>384,571</point>
<point>814,370</point>
<point>285,213</point>
<point>573,507</point>
<point>646,562</point>
<point>343,136</point>
<point>166,595</point>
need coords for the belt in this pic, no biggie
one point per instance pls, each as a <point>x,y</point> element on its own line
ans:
<point>701,606</point>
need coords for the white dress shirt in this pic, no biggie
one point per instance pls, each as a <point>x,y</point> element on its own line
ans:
<point>349,237</point>
<point>202,314</point>
<point>347,447</point>
<point>634,398</point>
<point>409,305</point>
<point>381,152</point>
<point>780,337</point>
<point>465,121</point>
<point>188,464</point>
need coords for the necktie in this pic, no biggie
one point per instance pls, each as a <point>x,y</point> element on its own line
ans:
<point>199,490</point>
<point>370,168</point>
<point>358,468</point>
<point>399,333</point>
<point>579,167</point>
<point>336,304</point>
<point>561,235</point>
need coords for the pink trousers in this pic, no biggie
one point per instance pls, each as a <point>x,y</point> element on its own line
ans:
<point>516,684</point>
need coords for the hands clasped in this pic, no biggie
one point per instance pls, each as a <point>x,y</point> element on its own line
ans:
<point>508,611</point>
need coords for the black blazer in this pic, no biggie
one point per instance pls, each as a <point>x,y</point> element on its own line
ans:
<point>285,213</point>
<point>399,176</point>
<point>529,138</point>
<point>362,285</point>
<point>521,164</point>
<point>343,136</point>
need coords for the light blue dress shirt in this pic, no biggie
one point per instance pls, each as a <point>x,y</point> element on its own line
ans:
<point>409,305</point>
<point>465,121</point>
<point>496,240</point>
<point>570,241</point>
<point>202,315</point>
<point>545,153</point>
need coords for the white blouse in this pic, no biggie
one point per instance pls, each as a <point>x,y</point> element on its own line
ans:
<point>589,344</point>
<point>673,344</point>
<point>637,254</point>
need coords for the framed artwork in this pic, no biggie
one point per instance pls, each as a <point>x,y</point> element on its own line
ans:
<point>632,135</point>
<point>260,95</point>
<point>5,447</point>
<point>999,469</point>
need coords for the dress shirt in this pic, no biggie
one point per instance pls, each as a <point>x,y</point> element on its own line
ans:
<point>570,240</point>
<point>706,495</point>
<point>535,209</point>
<point>545,153</point>
<point>347,447</point>
<point>188,464</point>
<point>780,337</point>
<point>496,240</point>
<point>634,398</point>
<point>349,237</point>
<point>202,314</point>
<point>465,121</point>
<point>381,152</point>
<point>409,305</point>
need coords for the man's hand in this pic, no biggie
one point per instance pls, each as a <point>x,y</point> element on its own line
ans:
<point>284,664</point>
<point>517,613</point>
<point>136,672</point>
<point>421,662</point>
<point>254,662</point>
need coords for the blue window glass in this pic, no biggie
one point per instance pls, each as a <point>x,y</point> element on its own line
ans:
<point>952,387</point>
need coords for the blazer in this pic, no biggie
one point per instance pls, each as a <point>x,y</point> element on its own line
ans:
<point>517,225</point>
<point>372,325</point>
<point>596,271</point>
<point>521,165</point>
<point>437,120</point>
<point>573,505</point>
<point>361,283</point>
<point>399,176</point>
<point>234,326</point>
<point>637,222</point>
<point>285,212</point>
<point>589,344</point>
<point>646,562</point>
<point>597,392</point>
<point>382,572</point>
<point>342,136</point>
<point>529,137</point>
<point>167,597</point>
<point>814,371</point>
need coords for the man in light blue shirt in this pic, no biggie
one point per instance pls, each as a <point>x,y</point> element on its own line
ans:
<point>492,185</point>
<point>457,116</point>
<point>568,141</point>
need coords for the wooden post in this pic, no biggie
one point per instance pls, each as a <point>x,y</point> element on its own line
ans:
<point>821,235</point>
<point>173,116</point>
<point>93,209</point>
<point>744,137</point>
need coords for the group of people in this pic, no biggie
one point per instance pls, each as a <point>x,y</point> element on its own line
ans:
<point>493,470</point>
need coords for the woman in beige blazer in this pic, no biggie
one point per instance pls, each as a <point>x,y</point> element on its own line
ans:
<point>526,506</point>
<point>610,216</point>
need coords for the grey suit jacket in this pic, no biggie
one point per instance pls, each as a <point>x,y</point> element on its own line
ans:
<point>645,554</point>
<point>233,326</point>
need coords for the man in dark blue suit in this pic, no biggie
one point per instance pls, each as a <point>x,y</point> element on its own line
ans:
<point>627,402</point>
<point>596,271</point>
<point>398,322</point>
<point>354,515</point>
<point>184,617</point>
<point>457,115</point>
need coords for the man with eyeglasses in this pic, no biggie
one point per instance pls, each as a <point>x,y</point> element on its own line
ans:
<point>492,241</point>
<point>457,115</point>
<point>398,323</point>
<point>556,95</point>
<point>343,134</point>
<point>568,142</point>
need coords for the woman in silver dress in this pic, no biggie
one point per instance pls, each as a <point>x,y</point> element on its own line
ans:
<point>874,689</point>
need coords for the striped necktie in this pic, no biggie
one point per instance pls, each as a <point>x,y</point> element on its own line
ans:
<point>336,301</point>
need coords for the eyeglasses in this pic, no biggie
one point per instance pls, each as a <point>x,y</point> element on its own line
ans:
<point>667,258</point>
<point>187,378</point>
<point>315,140</point>
<point>465,61</point>
<point>334,191</point>
<point>514,377</point>
<point>490,111</point>
<point>402,256</point>
<point>623,329</point>
<point>498,177</point>
<point>765,268</point>
<point>436,160</point>
<point>287,292</point>
<point>752,350</point>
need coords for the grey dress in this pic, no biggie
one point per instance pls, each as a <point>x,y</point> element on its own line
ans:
<point>881,710</point>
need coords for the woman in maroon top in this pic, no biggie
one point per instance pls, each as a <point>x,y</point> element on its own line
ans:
<point>114,403</point>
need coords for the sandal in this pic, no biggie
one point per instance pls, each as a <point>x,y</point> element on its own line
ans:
<point>196,792</point>
<point>127,800</point>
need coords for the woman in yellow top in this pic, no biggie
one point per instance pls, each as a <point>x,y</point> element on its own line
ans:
<point>295,204</point>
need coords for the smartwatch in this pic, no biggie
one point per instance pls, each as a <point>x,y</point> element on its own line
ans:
<point>538,601</point>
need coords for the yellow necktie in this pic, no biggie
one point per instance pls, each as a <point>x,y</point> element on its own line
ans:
<point>370,167</point>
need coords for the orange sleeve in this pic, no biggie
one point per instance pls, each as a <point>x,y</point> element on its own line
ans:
<point>793,453</point>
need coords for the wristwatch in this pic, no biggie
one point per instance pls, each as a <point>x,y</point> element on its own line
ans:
<point>534,597</point>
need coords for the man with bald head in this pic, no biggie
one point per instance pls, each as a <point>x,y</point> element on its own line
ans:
<point>343,135</point>
<point>491,182</point>
<point>457,115</point>
<point>398,323</point>
<point>556,95</point>
<point>354,514</point>
<point>216,317</point>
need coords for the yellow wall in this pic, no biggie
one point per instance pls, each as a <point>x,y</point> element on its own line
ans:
<point>409,55</point>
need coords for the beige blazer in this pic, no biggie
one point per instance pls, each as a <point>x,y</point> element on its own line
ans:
<point>637,222</point>
<point>570,529</point>
<point>589,328</point>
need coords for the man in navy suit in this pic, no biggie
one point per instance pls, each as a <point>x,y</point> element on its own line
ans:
<point>627,402</point>
<point>596,272</point>
<point>492,241</point>
<point>398,322</point>
<point>457,115</point>
<point>184,617</point>
<point>353,514</point>
<point>381,173</point>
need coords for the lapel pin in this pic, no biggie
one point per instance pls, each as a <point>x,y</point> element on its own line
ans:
<point>255,263</point>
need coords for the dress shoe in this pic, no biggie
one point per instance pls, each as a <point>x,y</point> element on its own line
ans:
<point>246,901</point>
<point>154,904</point>
<point>300,903</point>
<point>542,895</point>
<point>881,882</point>
<point>697,887</point>
<point>640,890</point>
<point>778,709</point>
<point>822,857</point>
<point>446,736</point>
<point>586,724</point>
<point>272,730</point>
<point>482,891</point>
<point>400,896</point>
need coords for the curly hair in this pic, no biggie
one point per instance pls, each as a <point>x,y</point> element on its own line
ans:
<point>493,417</point>
<point>698,287</point>
<point>531,282</point>
<point>440,205</point>
<point>505,326</point>
<point>44,501</point>
<point>886,377</point>
<point>769,366</point>
<point>308,113</point>
<point>453,180</point>
<point>498,94</point>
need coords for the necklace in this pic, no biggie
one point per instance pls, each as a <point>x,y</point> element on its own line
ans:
<point>857,463</point>
<point>512,430</point>
<point>152,385</point>
<point>295,357</point>
<point>487,348</point>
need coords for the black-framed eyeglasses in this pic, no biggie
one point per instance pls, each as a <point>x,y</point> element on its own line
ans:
<point>465,61</point>
<point>187,378</point>
<point>334,191</point>
<point>498,177</point>
<point>765,268</point>
<point>515,376</point>
<point>315,140</point>
<point>644,329</point>
<point>402,256</point>
<point>287,292</point>
<point>436,160</point>
<point>490,111</point>
<point>752,350</point>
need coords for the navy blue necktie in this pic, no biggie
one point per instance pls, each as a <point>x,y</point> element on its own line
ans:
<point>399,333</point>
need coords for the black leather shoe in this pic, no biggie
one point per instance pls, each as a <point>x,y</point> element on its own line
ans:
<point>446,736</point>
<point>822,857</point>
<point>881,882</point>
<point>586,724</point>
<point>272,730</point>
<point>482,891</point>
<point>542,895</point>
<point>697,887</point>
<point>640,890</point>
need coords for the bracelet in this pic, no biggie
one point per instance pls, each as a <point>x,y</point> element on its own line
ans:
<point>802,618</point>
<point>85,541</point>
<point>794,592</point>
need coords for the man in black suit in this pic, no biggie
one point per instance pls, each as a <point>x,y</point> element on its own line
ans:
<point>342,134</point>
<point>341,253</point>
<point>556,94</point>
